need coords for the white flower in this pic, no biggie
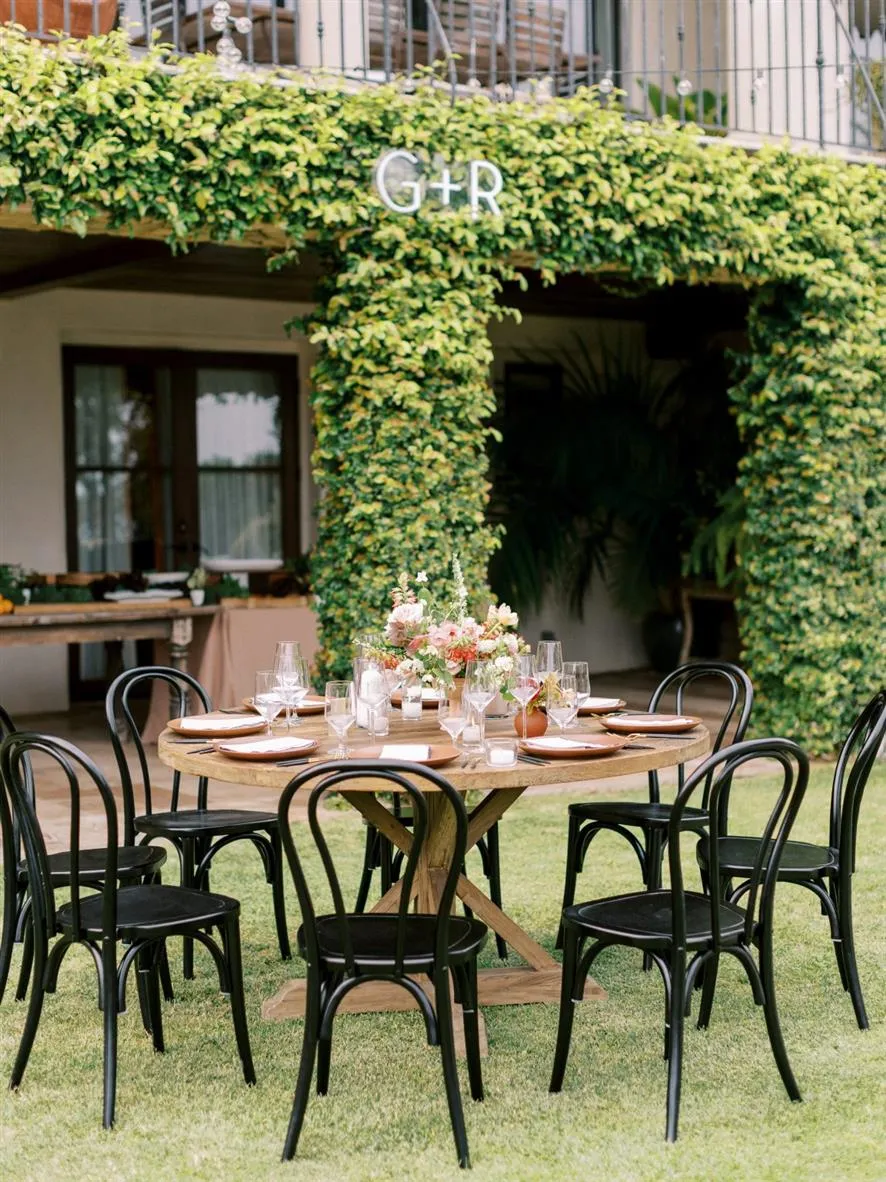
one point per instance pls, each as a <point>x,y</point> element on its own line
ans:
<point>487,646</point>
<point>504,663</point>
<point>421,577</point>
<point>506,617</point>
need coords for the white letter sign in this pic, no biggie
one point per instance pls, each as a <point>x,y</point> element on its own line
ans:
<point>410,176</point>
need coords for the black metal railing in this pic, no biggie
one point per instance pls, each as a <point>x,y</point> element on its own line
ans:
<point>811,70</point>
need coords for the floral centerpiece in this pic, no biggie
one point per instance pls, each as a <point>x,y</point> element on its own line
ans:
<point>433,638</point>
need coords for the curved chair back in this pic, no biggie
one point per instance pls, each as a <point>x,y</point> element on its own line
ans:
<point>737,709</point>
<point>715,778</point>
<point>854,764</point>
<point>79,773</point>
<point>123,730</point>
<point>397,776</point>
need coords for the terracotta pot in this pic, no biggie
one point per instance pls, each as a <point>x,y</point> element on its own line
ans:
<point>536,724</point>
<point>80,16</point>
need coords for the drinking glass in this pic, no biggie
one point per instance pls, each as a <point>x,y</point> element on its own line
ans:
<point>563,702</point>
<point>291,673</point>
<point>524,682</point>
<point>266,699</point>
<point>450,715</point>
<point>372,692</point>
<point>549,659</point>
<point>340,710</point>
<point>579,670</point>
<point>482,683</point>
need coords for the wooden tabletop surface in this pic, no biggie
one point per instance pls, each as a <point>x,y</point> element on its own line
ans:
<point>468,771</point>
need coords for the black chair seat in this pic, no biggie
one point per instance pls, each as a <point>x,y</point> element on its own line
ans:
<point>131,860</point>
<point>800,859</point>
<point>644,919</point>
<point>203,822</point>
<point>650,816</point>
<point>374,938</point>
<point>143,910</point>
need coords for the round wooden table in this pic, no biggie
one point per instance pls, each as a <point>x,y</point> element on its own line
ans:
<point>539,979</point>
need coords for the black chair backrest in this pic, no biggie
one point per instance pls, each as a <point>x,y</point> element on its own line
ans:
<point>18,799</point>
<point>715,776</point>
<point>123,730</point>
<point>737,708</point>
<point>10,842</point>
<point>854,764</point>
<point>397,776</point>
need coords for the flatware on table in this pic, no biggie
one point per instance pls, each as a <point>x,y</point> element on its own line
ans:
<point>533,759</point>
<point>292,762</point>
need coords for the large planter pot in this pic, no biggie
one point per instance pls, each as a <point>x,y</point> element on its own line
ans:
<point>662,635</point>
<point>80,22</point>
<point>536,724</point>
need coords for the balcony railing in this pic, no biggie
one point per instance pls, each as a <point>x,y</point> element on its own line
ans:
<point>811,70</point>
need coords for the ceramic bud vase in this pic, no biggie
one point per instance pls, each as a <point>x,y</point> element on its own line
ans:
<point>536,724</point>
<point>197,596</point>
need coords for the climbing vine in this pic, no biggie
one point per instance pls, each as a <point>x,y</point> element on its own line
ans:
<point>401,388</point>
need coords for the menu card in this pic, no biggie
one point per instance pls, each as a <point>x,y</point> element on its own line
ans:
<point>414,752</point>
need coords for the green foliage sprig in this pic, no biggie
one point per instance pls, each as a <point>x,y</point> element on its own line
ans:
<point>401,385</point>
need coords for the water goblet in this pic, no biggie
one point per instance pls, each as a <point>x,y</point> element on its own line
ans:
<point>563,702</point>
<point>549,659</point>
<point>524,683</point>
<point>266,699</point>
<point>578,670</point>
<point>482,683</point>
<point>341,711</point>
<point>451,717</point>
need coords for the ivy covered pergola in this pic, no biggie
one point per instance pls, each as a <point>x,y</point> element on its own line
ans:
<point>401,389</point>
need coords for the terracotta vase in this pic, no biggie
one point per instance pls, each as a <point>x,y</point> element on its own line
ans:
<point>536,724</point>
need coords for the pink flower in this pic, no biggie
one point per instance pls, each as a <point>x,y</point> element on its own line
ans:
<point>403,622</point>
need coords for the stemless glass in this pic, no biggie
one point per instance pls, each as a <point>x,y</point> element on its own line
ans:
<point>340,710</point>
<point>563,702</point>
<point>579,670</point>
<point>524,682</point>
<point>549,659</point>
<point>266,699</point>
<point>482,683</point>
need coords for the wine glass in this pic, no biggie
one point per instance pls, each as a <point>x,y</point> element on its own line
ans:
<point>372,691</point>
<point>549,659</point>
<point>266,699</point>
<point>579,670</point>
<point>340,710</point>
<point>524,682</point>
<point>482,683</point>
<point>291,672</point>
<point>450,715</point>
<point>563,701</point>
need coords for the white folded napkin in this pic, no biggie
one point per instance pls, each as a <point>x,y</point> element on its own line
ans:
<point>599,703</point>
<point>414,752</point>
<point>201,723</point>
<point>266,746</point>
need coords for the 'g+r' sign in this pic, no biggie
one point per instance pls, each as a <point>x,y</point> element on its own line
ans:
<point>403,186</point>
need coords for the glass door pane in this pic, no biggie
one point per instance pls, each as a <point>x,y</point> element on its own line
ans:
<point>239,463</point>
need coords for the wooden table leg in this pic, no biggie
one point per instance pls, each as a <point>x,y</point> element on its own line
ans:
<point>181,633</point>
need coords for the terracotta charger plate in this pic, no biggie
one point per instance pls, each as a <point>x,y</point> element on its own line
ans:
<point>573,748</point>
<point>440,753</point>
<point>309,705</point>
<point>602,705</point>
<point>211,727</point>
<point>651,724</point>
<point>266,748</point>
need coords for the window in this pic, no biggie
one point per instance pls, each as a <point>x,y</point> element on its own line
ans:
<point>174,456</point>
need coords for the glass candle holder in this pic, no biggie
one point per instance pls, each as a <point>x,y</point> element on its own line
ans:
<point>410,702</point>
<point>501,753</point>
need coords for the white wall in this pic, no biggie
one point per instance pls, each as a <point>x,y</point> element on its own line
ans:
<point>32,492</point>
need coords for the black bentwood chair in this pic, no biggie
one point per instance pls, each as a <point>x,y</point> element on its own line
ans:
<point>196,834</point>
<point>826,870</point>
<point>344,949</point>
<point>142,917</point>
<point>652,817</point>
<point>135,864</point>
<point>685,932</point>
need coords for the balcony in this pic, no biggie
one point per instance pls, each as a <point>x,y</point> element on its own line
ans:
<point>810,70</point>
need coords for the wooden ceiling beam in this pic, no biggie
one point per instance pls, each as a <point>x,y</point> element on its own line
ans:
<point>78,267</point>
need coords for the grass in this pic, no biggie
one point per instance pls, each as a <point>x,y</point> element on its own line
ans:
<point>188,1115</point>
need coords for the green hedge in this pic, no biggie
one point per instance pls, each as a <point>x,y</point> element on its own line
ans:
<point>401,387</point>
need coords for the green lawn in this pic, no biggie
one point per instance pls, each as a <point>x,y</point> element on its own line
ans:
<point>187,1114</point>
